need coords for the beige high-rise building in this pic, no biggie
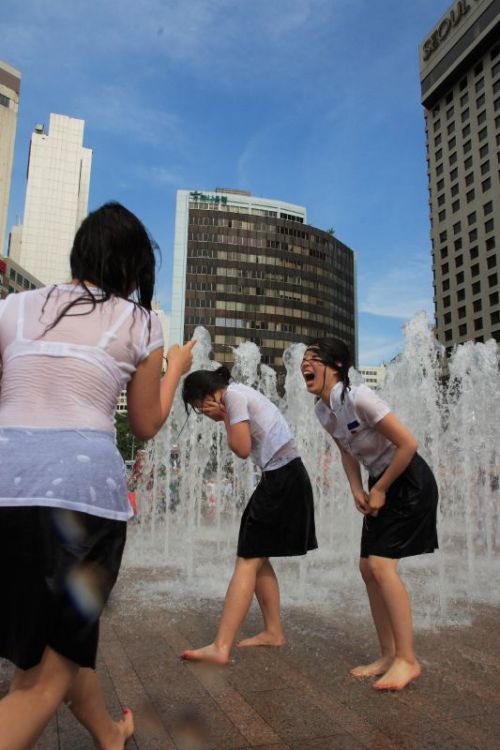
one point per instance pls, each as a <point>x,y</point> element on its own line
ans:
<point>56,198</point>
<point>460,84</point>
<point>10,85</point>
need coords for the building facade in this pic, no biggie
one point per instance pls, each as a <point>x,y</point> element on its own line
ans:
<point>252,269</point>
<point>372,375</point>
<point>57,193</point>
<point>10,86</point>
<point>460,86</point>
<point>14,278</point>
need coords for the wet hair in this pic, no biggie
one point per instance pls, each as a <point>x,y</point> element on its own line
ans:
<point>335,354</point>
<point>202,383</point>
<point>113,251</point>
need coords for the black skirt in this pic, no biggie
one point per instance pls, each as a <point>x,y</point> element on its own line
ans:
<point>57,569</point>
<point>278,520</point>
<point>406,524</point>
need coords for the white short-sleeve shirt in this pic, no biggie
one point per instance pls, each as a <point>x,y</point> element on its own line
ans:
<point>351,423</point>
<point>269,430</point>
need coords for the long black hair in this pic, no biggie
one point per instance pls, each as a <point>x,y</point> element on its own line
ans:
<point>333,353</point>
<point>114,252</point>
<point>202,383</point>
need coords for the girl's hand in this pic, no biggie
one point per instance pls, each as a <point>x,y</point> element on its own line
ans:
<point>361,502</point>
<point>213,409</point>
<point>376,500</point>
<point>181,356</point>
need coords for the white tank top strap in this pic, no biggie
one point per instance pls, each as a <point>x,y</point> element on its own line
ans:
<point>110,334</point>
<point>5,302</point>
<point>20,317</point>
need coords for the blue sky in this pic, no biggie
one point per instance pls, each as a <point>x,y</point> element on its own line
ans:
<point>315,102</point>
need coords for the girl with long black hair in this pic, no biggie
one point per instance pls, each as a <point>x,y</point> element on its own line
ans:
<point>67,351</point>
<point>279,517</point>
<point>399,507</point>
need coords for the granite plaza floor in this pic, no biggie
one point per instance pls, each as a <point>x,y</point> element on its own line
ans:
<point>300,697</point>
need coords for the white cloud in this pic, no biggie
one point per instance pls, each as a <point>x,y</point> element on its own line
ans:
<point>398,292</point>
<point>375,350</point>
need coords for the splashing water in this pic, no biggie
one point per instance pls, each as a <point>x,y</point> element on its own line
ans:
<point>194,488</point>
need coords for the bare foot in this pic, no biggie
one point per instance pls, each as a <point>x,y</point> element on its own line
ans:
<point>380,666</point>
<point>211,653</point>
<point>263,639</point>
<point>122,730</point>
<point>399,675</point>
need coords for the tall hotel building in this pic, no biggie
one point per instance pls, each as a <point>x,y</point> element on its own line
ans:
<point>56,199</point>
<point>460,85</point>
<point>10,84</point>
<point>251,269</point>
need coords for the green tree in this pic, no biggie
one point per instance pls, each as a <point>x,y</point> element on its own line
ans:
<point>127,444</point>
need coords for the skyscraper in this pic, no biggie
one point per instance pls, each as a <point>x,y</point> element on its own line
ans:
<point>10,85</point>
<point>460,85</point>
<point>56,197</point>
<point>252,269</point>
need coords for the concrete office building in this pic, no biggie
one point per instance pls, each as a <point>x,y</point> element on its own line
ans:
<point>373,376</point>
<point>252,269</point>
<point>14,278</point>
<point>460,86</point>
<point>56,198</point>
<point>10,85</point>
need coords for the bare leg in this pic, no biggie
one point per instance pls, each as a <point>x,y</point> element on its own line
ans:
<point>382,626</point>
<point>236,605</point>
<point>404,667</point>
<point>268,595</point>
<point>86,701</point>
<point>26,711</point>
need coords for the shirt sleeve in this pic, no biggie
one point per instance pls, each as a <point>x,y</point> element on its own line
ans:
<point>236,406</point>
<point>153,337</point>
<point>369,406</point>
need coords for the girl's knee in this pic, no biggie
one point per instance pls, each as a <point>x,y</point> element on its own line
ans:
<point>381,568</point>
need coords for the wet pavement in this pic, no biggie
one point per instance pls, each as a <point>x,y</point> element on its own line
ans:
<point>299,697</point>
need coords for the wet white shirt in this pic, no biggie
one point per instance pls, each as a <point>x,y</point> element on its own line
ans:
<point>272,441</point>
<point>352,422</point>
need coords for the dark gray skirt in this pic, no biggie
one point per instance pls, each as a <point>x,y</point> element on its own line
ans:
<point>278,520</point>
<point>57,569</point>
<point>406,524</point>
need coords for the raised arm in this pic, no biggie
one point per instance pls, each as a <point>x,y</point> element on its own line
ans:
<point>149,395</point>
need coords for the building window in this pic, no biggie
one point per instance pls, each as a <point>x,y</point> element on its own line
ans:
<point>460,277</point>
<point>444,252</point>
<point>457,227</point>
<point>490,243</point>
<point>481,136</point>
<point>446,301</point>
<point>483,151</point>
<point>461,296</point>
<point>464,99</point>
<point>488,208</point>
<point>471,218</point>
<point>486,184</point>
<point>489,226</point>
<point>491,261</point>
<point>437,140</point>
<point>442,215</point>
<point>467,147</point>
<point>452,143</point>
<point>455,206</point>
<point>453,158</point>
<point>495,51</point>
<point>453,174</point>
<point>474,252</point>
<point>495,317</point>
<point>462,329</point>
<point>473,235</point>
<point>477,305</point>
<point>454,189</point>
<point>466,131</point>
<point>465,115</point>
<point>470,195</point>
<point>439,154</point>
<point>458,244</point>
<point>449,113</point>
<point>445,285</point>
<point>494,299</point>
<point>474,269</point>
<point>442,236</point>
<point>437,125</point>
<point>468,163</point>
<point>478,324</point>
<point>485,167</point>
<point>462,312</point>
<point>493,279</point>
<point>479,85</point>
<point>447,318</point>
<point>479,68</point>
<point>448,334</point>
<point>440,200</point>
<point>445,268</point>
<point>476,287</point>
<point>450,129</point>
<point>4,101</point>
<point>439,170</point>
<point>469,179</point>
<point>459,261</point>
<point>480,103</point>
<point>481,117</point>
